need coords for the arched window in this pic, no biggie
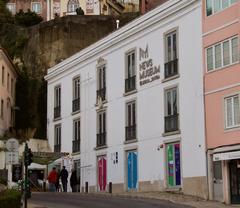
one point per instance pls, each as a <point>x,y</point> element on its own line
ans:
<point>72,5</point>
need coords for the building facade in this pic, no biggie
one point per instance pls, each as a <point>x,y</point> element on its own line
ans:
<point>221,30</point>
<point>130,107</point>
<point>8,78</point>
<point>38,6</point>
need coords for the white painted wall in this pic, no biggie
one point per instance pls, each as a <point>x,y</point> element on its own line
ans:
<point>149,99</point>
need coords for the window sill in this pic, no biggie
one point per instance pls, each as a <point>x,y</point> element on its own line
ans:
<point>76,153</point>
<point>221,68</point>
<point>75,112</point>
<point>57,119</point>
<point>130,93</point>
<point>171,133</point>
<point>173,189</point>
<point>103,103</point>
<point>130,141</point>
<point>101,147</point>
<point>233,128</point>
<point>171,78</point>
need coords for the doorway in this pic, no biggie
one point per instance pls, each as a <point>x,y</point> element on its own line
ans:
<point>102,173</point>
<point>234,169</point>
<point>132,176</point>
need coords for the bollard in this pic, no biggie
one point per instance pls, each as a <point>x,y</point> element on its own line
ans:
<point>110,187</point>
<point>86,187</point>
<point>44,186</point>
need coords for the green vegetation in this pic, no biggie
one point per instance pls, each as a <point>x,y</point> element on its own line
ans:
<point>28,18</point>
<point>5,15</point>
<point>3,181</point>
<point>10,199</point>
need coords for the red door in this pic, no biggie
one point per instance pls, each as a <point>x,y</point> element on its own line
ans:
<point>102,173</point>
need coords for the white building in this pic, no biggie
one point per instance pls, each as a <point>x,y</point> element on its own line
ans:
<point>130,106</point>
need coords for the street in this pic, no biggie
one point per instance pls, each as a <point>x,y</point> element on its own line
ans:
<point>66,200</point>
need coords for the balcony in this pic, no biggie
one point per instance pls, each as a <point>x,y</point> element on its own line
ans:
<point>57,112</point>
<point>101,139</point>
<point>102,93</point>
<point>171,68</point>
<point>76,105</point>
<point>130,132</point>
<point>76,146</point>
<point>171,123</point>
<point>130,84</point>
<point>57,148</point>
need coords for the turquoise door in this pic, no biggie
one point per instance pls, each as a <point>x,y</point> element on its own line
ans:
<point>132,176</point>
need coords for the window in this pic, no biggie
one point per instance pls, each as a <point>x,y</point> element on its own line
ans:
<point>76,94</point>
<point>8,79</point>
<point>76,136</point>
<point>130,81</point>
<point>57,102</point>
<point>173,164</point>
<point>37,7</point>
<point>12,87</point>
<point>72,5</point>
<point>214,6</point>
<point>131,121</point>
<point>232,111</point>
<point>171,55</point>
<point>101,128</point>
<point>11,7</point>
<point>222,54</point>
<point>101,88</point>
<point>2,108</point>
<point>171,110</point>
<point>3,75</point>
<point>57,138</point>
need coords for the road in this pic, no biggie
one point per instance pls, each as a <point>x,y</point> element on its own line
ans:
<point>67,200</point>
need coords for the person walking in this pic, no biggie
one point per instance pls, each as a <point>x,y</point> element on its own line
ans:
<point>64,178</point>
<point>52,179</point>
<point>73,181</point>
<point>57,182</point>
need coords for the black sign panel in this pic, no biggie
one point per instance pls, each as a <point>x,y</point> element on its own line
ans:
<point>16,173</point>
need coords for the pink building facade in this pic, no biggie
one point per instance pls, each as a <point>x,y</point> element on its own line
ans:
<point>221,30</point>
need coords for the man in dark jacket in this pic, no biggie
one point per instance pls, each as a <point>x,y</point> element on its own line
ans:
<point>64,178</point>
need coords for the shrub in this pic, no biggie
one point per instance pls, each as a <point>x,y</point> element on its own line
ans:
<point>79,11</point>
<point>3,181</point>
<point>28,18</point>
<point>10,199</point>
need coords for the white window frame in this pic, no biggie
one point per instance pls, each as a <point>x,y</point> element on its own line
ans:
<point>171,33</point>
<point>57,134</point>
<point>101,84</point>
<point>76,88</point>
<point>213,54</point>
<point>130,103</point>
<point>132,68</point>
<point>232,111</point>
<point>77,127</point>
<point>165,99</point>
<point>57,96</point>
<point>221,7</point>
<point>100,129</point>
<point>34,6</point>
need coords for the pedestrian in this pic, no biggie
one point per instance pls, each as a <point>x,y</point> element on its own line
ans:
<point>52,179</point>
<point>73,180</point>
<point>64,178</point>
<point>57,182</point>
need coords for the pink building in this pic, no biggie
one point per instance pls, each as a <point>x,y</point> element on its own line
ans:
<point>221,29</point>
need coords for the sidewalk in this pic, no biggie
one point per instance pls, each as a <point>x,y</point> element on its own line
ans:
<point>175,198</point>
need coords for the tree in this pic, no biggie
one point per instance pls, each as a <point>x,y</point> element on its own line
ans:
<point>5,14</point>
<point>28,18</point>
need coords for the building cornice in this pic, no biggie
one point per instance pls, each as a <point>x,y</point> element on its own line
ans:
<point>142,23</point>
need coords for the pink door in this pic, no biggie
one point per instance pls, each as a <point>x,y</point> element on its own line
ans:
<point>102,173</point>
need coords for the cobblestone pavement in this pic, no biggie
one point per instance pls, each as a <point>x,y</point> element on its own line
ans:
<point>174,198</point>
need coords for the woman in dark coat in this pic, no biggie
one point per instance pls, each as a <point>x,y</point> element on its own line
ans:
<point>73,181</point>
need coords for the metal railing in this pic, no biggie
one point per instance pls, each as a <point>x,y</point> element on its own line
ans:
<point>171,123</point>
<point>57,111</point>
<point>130,84</point>
<point>130,132</point>
<point>76,105</point>
<point>171,68</point>
<point>76,146</point>
<point>101,139</point>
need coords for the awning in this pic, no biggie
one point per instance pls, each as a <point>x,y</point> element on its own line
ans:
<point>226,156</point>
